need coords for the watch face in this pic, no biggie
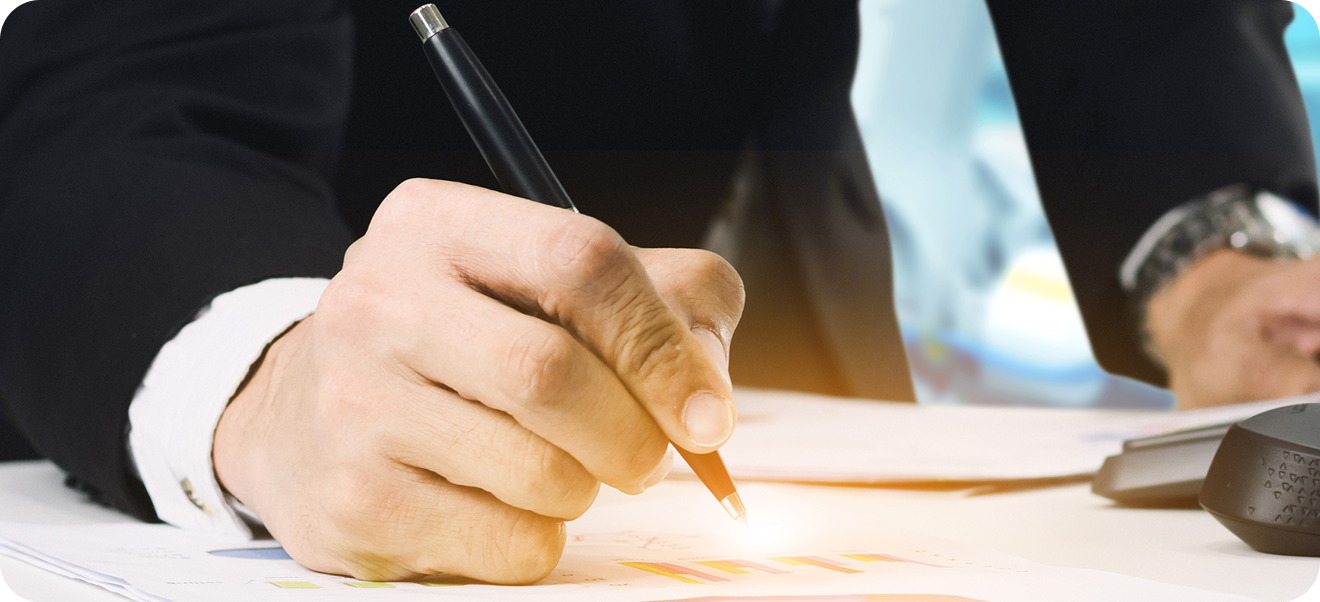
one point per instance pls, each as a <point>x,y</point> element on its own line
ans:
<point>1291,226</point>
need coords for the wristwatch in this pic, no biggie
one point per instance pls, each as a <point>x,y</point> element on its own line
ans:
<point>1239,217</point>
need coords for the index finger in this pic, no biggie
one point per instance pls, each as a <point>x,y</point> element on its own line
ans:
<point>703,290</point>
<point>579,273</point>
<point>606,297</point>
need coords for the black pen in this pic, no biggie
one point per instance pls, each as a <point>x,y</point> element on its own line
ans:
<point>522,171</point>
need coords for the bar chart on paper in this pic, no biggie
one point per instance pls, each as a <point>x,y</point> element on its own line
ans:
<point>742,567</point>
<point>766,568</point>
<point>797,551</point>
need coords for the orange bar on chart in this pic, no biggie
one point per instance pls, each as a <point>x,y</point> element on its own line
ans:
<point>815,561</point>
<point>737,566</point>
<point>873,557</point>
<point>887,558</point>
<point>672,571</point>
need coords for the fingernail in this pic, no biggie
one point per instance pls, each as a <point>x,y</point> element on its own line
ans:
<point>661,471</point>
<point>715,349</point>
<point>709,419</point>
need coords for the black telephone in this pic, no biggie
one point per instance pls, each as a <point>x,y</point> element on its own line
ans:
<point>1259,477</point>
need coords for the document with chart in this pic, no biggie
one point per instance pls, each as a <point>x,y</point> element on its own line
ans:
<point>672,543</point>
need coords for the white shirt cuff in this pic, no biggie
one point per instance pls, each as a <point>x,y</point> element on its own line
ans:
<point>173,416</point>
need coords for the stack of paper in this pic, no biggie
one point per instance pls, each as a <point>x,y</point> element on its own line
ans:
<point>794,437</point>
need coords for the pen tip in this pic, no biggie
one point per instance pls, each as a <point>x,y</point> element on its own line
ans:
<point>742,519</point>
<point>734,506</point>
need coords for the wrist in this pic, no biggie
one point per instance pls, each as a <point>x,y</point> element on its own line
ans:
<point>1208,245</point>
<point>241,430</point>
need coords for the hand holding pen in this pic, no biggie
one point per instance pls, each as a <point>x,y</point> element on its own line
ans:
<point>479,366</point>
<point>522,171</point>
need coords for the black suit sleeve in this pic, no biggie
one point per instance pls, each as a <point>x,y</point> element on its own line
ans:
<point>155,154</point>
<point>1131,107</point>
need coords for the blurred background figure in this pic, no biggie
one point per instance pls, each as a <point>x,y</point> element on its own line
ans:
<point>981,293</point>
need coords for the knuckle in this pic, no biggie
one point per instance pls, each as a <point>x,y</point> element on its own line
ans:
<point>645,456</point>
<point>583,248</point>
<point>357,307</point>
<point>655,351</point>
<point>355,251</point>
<point>348,515</point>
<point>400,201</point>
<point>539,366</point>
<point>562,488</point>
<point>530,548</point>
<point>720,277</point>
<point>346,297</point>
<point>375,518</point>
<point>357,501</point>
<point>709,283</point>
<point>411,192</point>
<point>412,205</point>
<point>412,186</point>
<point>713,271</point>
<point>486,539</point>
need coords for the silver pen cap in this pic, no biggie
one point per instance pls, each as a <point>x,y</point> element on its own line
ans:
<point>426,21</point>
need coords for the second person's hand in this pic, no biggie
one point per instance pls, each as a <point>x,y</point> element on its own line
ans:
<point>1235,328</point>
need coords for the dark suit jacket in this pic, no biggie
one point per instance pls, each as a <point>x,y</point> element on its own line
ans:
<point>154,154</point>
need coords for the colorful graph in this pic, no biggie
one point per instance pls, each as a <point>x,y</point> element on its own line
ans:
<point>888,558</point>
<point>738,566</point>
<point>815,561</point>
<point>673,571</point>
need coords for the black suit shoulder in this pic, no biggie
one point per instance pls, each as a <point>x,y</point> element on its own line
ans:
<point>154,158</point>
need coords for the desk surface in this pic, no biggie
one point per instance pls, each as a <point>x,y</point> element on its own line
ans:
<point>1061,526</point>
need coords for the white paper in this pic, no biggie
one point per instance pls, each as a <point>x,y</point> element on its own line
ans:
<point>674,545</point>
<point>795,437</point>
